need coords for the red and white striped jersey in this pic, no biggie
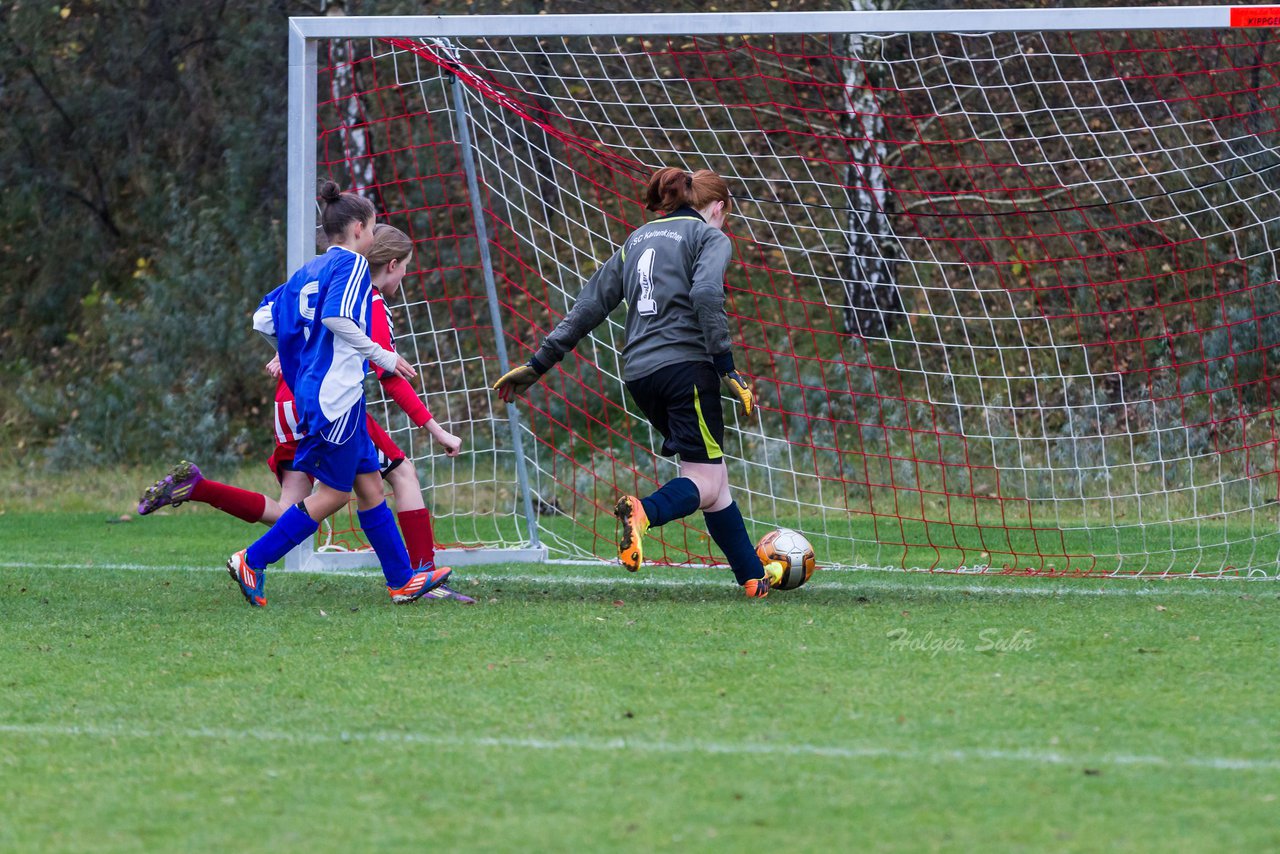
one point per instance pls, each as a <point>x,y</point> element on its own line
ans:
<point>286,415</point>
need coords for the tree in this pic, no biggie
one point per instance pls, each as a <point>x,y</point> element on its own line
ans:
<point>874,304</point>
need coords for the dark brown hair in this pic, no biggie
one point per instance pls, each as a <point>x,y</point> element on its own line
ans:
<point>389,244</point>
<point>342,209</point>
<point>672,188</point>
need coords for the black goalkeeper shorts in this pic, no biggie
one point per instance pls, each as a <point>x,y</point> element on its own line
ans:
<point>683,402</point>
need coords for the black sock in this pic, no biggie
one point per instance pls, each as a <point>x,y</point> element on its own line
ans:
<point>675,499</point>
<point>730,533</point>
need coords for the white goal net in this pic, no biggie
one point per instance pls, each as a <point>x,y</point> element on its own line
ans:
<point>1007,295</point>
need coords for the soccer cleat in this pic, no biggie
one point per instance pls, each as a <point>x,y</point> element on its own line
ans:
<point>635,524</point>
<point>174,488</point>
<point>444,591</point>
<point>419,585</point>
<point>758,588</point>
<point>252,581</point>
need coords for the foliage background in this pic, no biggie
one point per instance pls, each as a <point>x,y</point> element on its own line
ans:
<point>142,161</point>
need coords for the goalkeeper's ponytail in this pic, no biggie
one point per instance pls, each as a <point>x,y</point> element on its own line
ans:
<point>671,188</point>
<point>668,190</point>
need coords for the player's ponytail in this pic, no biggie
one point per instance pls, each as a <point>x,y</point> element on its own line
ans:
<point>389,244</point>
<point>668,189</point>
<point>341,209</point>
<point>671,188</point>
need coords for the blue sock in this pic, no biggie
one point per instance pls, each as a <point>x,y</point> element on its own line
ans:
<point>379,526</point>
<point>730,533</point>
<point>675,499</point>
<point>293,526</point>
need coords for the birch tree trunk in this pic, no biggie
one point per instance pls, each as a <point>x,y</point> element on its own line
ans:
<point>343,86</point>
<point>874,306</point>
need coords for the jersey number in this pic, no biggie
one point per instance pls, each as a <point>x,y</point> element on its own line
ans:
<point>307,306</point>
<point>646,305</point>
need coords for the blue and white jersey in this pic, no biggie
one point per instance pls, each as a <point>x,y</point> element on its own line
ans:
<point>325,372</point>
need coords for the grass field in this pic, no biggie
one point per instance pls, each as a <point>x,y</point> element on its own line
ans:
<point>147,708</point>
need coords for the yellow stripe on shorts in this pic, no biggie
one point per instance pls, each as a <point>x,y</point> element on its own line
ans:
<point>713,449</point>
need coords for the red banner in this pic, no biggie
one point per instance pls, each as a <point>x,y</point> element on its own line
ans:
<point>1255,16</point>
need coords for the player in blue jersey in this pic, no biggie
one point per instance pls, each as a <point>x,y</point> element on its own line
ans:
<point>319,323</point>
<point>671,273</point>
<point>388,262</point>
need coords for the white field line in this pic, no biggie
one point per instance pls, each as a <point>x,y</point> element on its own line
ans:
<point>612,576</point>
<point>618,745</point>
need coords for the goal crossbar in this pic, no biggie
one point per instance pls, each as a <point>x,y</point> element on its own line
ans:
<point>774,23</point>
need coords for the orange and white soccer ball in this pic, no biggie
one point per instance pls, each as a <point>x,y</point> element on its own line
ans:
<point>793,551</point>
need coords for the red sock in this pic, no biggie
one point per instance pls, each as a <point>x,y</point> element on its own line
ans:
<point>415,525</point>
<point>238,502</point>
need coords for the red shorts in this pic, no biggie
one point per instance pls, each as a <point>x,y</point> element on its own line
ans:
<point>389,453</point>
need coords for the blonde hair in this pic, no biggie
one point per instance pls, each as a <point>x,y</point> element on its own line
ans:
<point>389,244</point>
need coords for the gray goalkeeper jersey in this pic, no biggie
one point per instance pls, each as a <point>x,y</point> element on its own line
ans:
<point>671,273</point>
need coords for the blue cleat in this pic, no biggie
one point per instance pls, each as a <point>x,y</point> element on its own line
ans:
<point>422,583</point>
<point>252,581</point>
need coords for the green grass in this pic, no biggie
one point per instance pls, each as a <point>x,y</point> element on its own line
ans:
<point>1232,544</point>
<point>147,708</point>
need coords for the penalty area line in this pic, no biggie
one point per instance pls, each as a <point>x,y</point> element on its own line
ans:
<point>619,745</point>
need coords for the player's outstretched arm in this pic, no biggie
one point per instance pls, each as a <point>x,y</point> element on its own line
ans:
<point>452,444</point>
<point>601,295</point>
<point>515,382</point>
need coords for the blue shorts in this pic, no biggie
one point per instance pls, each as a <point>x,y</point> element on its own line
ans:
<point>335,458</point>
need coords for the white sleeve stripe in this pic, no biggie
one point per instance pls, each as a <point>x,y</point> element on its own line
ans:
<point>352,290</point>
<point>346,288</point>
<point>350,294</point>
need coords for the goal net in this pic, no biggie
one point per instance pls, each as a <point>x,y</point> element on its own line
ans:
<point>1007,295</point>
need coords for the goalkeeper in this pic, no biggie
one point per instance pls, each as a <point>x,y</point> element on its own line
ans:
<point>671,273</point>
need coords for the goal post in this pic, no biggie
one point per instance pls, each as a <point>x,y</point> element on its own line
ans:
<point>1007,292</point>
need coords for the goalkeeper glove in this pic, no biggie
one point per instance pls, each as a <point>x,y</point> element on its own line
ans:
<point>737,385</point>
<point>739,389</point>
<point>517,381</point>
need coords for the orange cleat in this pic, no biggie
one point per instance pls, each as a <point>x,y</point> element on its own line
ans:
<point>758,588</point>
<point>635,524</point>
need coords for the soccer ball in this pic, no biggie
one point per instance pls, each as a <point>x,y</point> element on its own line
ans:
<point>793,551</point>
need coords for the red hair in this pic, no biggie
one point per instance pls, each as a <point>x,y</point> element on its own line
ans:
<point>671,188</point>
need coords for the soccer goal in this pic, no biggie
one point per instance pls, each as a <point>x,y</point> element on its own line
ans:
<point>1006,292</point>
